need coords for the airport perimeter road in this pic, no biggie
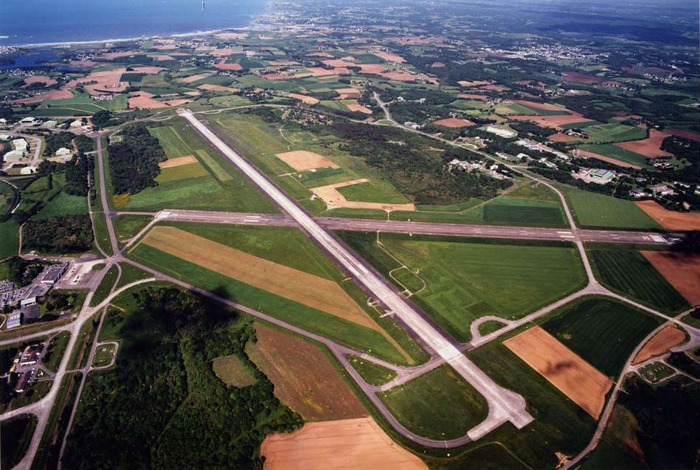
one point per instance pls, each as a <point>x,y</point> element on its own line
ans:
<point>504,405</point>
<point>423,228</point>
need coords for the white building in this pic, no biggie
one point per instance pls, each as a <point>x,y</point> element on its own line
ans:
<point>501,132</point>
<point>20,145</point>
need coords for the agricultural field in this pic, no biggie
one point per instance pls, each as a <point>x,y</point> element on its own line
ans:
<point>599,211</point>
<point>604,332</point>
<point>467,279</point>
<point>304,378</point>
<point>209,184</point>
<point>609,133</point>
<point>233,371</point>
<point>617,153</point>
<point>682,270</point>
<point>437,405</point>
<point>629,273</point>
<point>9,233</point>
<point>128,226</point>
<point>337,311</point>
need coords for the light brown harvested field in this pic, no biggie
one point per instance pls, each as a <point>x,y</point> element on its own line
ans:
<point>298,286</point>
<point>194,78</point>
<point>345,62</point>
<point>304,98</point>
<point>225,89</point>
<point>231,371</point>
<point>603,158</point>
<point>225,66</point>
<point>649,147</point>
<point>47,81</point>
<point>577,77</point>
<point>144,100</point>
<point>437,65</point>
<point>83,64</point>
<point>408,77</point>
<point>193,93</point>
<point>62,94</point>
<point>301,160</point>
<point>177,102</point>
<point>471,96</point>
<point>160,57</point>
<point>116,55</point>
<point>563,138</point>
<point>319,54</point>
<point>358,108</point>
<point>223,52</point>
<point>179,161</point>
<point>661,343</point>
<point>554,122</point>
<point>496,88</point>
<point>544,106</point>
<point>390,57</point>
<point>350,444</point>
<point>682,270</point>
<point>671,220</point>
<point>453,123</point>
<point>469,84</point>
<point>334,198</point>
<point>577,379</point>
<point>304,378</point>
<point>232,35</point>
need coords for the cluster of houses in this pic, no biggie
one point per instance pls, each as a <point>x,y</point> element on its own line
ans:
<point>25,366</point>
<point>489,169</point>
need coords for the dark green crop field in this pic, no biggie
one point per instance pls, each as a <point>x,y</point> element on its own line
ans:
<point>603,332</point>
<point>629,273</point>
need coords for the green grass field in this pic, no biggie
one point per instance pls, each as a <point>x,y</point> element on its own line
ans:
<point>372,373</point>
<point>615,132</point>
<point>9,234</point>
<point>602,331</point>
<point>439,404</point>
<point>467,279</point>
<point>105,286</point>
<point>618,153</point>
<point>370,192</point>
<point>82,101</point>
<point>128,226</point>
<point>509,210</point>
<point>629,273</point>
<point>223,187</point>
<point>593,210</point>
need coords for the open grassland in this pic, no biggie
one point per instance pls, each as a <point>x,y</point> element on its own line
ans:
<point>105,286</point>
<point>304,378</point>
<point>439,404</point>
<point>261,142</point>
<point>211,184</point>
<point>372,373</point>
<point>9,234</point>
<point>467,279</point>
<point>573,376</point>
<point>599,211</point>
<point>128,226</point>
<point>602,331</point>
<point>341,445</point>
<point>330,326</point>
<point>615,132</point>
<point>629,273</point>
<point>527,208</point>
<point>617,153</point>
<point>232,371</point>
<point>370,192</point>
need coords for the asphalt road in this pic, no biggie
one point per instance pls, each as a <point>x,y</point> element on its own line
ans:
<point>504,405</point>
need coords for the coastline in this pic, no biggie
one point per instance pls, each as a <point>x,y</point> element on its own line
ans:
<point>137,38</point>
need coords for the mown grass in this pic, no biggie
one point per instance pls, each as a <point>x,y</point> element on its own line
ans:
<point>602,331</point>
<point>127,226</point>
<point>9,234</point>
<point>369,192</point>
<point>105,286</point>
<point>56,349</point>
<point>439,404</point>
<point>593,210</point>
<point>629,273</point>
<point>372,373</point>
<point>467,278</point>
<point>615,132</point>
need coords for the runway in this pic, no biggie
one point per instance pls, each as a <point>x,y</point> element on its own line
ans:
<point>425,228</point>
<point>504,405</point>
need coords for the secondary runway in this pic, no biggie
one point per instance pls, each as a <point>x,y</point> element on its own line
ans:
<point>424,228</point>
<point>504,405</point>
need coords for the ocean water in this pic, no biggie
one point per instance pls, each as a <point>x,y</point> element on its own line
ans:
<point>50,21</point>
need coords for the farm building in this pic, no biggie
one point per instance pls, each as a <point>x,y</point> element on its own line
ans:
<point>501,132</point>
